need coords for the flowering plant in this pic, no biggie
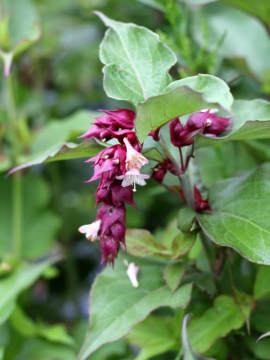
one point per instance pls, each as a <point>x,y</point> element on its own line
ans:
<point>176,147</point>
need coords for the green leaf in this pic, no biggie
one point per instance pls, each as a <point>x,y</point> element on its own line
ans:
<point>34,349</point>
<point>116,306</point>
<point>182,244</point>
<point>156,4</point>
<point>238,213</point>
<point>216,322</point>
<point>211,160</point>
<point>142,243</point>
<point>261,350</point>
<point>21,29</point>
<point>189,353</point>
<point>28,328</point>
<point>214,89</point>
<point>21,278</point>
<point>173,274</point>
<point>185,218</point>
<point>251,120</point>
<point>155,335</point>
<point>262,283</point>
<point>136,61</point>
<point>36,217</point>
<point>64,130</point>
<point>229,23</point>
<point>62,151</point>
<point>260,9</point>
<point>182,97</point>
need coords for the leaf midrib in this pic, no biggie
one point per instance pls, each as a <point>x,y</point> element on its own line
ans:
<point>238,217</point>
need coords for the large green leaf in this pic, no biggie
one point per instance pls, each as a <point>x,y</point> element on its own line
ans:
<point>228,22</point>
<point>251,120</point>
<point>182,97</point>
<point>20,279</point>
<point>260,9</point>
<point>136,61</point>
<point>216,322</point>
<point>116,306</point>
<point>35,217</point>
<point>239,214</point>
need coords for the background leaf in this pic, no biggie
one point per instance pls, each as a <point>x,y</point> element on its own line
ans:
<point>35,215</point>
<point>216,322</point>
<point>20,279</point>
<point>156,335</point>
<point>225,21</point>
<point>262,283</point>
<point>260,9</point>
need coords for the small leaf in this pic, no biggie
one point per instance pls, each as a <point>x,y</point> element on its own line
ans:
<point>136,61</point>
<point>189,353</point>
<point>182,97</point>
<point>182,244</point>
<point>185,219</point>
<point>173,274</point>
<point>238,213</point>
<point>216,322</point>
<point>155,335</point>
<point>142,243</point>
<point>262,283</point>
<point>116,306</point>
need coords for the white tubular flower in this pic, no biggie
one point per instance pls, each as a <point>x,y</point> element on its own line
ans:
<point>132,273</point>
<point>133,177</point>
<point>134,159</point>
<point>90,230</point>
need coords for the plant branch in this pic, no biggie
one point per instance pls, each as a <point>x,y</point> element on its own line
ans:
<point>185,188</point>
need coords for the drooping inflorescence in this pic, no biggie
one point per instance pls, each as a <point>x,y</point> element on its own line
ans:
<point>118,170</point>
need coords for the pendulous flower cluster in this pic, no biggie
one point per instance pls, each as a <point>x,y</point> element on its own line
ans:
<point>117,168</point>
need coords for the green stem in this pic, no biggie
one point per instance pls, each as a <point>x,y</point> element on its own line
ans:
<point>185,188</point>
<point>17,178</point>
<point>208,254</point>
<point>17,214</point>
